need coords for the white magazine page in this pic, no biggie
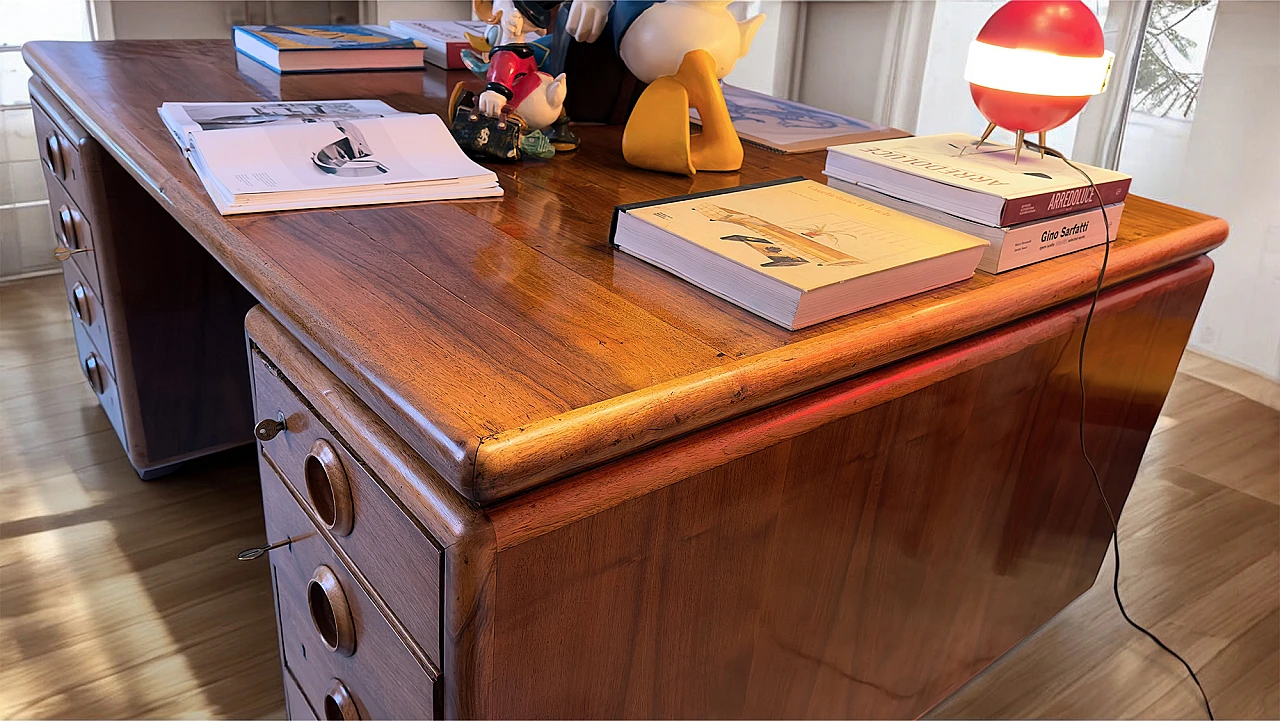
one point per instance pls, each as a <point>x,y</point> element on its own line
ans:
<point>182,119</point>
<point>989,169</point>
<point>335,155</point>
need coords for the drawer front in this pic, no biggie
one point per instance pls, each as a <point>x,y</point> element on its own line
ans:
<point>73,231</point>
<point>87,311</point>
<point>295,704</point>
<point>63,142</point>
<point>97,370</point>
<point>385,544</point>
<point>344,654</point>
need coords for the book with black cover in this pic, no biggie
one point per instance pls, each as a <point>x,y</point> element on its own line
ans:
<point>794,251</point>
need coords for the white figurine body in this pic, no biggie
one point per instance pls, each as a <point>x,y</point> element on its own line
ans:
<point>661,36</point>
<point>542,107</point>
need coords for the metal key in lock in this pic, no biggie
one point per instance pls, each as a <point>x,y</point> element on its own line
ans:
<point>250,554</point>
<point>271,427</point>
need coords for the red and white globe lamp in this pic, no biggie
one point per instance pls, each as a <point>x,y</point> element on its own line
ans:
<point>1034,65</point>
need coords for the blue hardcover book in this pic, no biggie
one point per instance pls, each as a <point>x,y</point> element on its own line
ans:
<point>319,48</point>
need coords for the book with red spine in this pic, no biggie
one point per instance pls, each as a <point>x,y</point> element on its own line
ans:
<point>982,184</point>
<point>445,39</point>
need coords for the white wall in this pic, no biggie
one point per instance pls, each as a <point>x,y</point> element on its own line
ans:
<point>388,10</point>
<point>767,66</point>
<point>1232,170</point>
<point>843,56</point>
<point>189,19</point>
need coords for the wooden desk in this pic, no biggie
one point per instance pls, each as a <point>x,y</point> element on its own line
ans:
<point>530,477</point>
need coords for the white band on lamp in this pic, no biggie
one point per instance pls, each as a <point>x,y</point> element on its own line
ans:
<point>1035,72</point>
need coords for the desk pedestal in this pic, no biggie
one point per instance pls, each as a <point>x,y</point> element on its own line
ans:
<point>861,551</point>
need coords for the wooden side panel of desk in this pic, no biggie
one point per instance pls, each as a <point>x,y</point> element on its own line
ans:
<point>859,552</point>
<point>171,317</point>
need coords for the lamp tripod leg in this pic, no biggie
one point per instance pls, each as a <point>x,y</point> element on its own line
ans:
<point>985,134</point>
<point>1017,145</point>
<point>1043,133</point>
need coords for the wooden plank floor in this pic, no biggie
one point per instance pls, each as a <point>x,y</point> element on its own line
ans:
<point>120,598</point>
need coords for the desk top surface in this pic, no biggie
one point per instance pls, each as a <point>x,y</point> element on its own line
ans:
<point>504,340</point>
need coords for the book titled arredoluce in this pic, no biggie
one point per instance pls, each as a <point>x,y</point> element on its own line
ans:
<point>982,184</point>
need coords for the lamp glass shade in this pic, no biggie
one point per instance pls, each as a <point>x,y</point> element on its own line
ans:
<point>1036,72</point>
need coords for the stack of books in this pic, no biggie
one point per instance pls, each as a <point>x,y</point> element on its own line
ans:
<point>327,48</point>
<point>445,39</point>
<point>1038,209</point>
<point>254,157</point>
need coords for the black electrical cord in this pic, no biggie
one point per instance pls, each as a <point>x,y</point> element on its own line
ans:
<point>1084,336</point>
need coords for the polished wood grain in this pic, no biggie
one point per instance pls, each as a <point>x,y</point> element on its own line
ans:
<point>504,341</point>
<point>115,593</point>
<point>557,505</point>
<point>1200,552</point>
<point>855,553</point>
<point>170,315</point>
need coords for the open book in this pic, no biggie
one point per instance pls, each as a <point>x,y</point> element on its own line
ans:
<point>184,118</point>
<point>342,162</point>
<point>785,126</point>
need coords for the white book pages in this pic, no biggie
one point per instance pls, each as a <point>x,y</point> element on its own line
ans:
<point>346,162</point>
<point>182,119</point>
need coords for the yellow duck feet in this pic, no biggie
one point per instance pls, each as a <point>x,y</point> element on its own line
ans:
<point>657,135</point>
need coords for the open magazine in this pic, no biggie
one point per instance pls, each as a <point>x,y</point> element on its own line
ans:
<point>785,126</point>
<point>361,161</point>
<point>184,118</point>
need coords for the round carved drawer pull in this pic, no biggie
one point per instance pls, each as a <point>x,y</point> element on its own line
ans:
<point>53,149</point>
<point>80,306</point>
<point>339,704</point>
<point>330,612</point>
<point>328,488</point>
<point>93,370</point>
<point>67,227</point>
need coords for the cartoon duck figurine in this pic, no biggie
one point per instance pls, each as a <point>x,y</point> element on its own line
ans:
<point>682,48</point>
<point>507,119</point>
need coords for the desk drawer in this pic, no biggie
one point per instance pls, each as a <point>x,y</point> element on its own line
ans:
<point>295,703</point>
<point>87,311</point>
<point>73,231</point>
<point>101,376</point>
<point>384,543</point>
<point>347,659</point>
<point>63,142</point>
